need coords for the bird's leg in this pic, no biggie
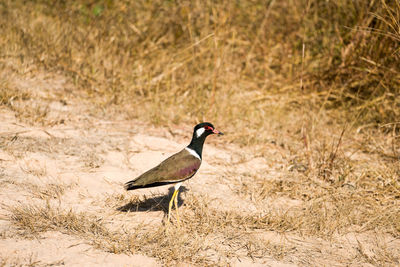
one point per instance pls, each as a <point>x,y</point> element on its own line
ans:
<point>176,206</point>
<point>170,204</point>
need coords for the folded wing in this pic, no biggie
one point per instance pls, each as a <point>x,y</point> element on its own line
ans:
<point>177,168</point>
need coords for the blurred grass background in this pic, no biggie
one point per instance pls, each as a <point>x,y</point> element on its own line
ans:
<point>311,85</point>
<point>235,63</point>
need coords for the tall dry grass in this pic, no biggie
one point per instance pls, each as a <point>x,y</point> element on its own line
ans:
<point>232,62</point>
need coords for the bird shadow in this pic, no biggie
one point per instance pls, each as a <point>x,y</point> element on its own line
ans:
<point>154,203</point>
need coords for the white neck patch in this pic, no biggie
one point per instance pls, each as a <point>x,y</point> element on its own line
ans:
<point>200,131</point>
<point>193,153</point>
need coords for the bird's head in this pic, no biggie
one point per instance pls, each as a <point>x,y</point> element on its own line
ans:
<point>205,129</point>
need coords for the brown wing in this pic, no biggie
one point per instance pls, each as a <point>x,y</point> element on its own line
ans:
<point>177,168</point>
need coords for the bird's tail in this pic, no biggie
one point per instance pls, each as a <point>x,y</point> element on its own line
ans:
<point>131,185</point>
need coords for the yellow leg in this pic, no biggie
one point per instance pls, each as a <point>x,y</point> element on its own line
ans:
<point>176,206</point>
<point>170,203</point>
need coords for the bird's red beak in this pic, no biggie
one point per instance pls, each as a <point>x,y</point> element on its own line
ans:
<point>217,132</point>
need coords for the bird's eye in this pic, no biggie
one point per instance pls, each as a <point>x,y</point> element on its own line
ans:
<point>208,128</point>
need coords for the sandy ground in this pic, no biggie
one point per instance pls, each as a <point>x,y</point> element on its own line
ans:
<point>90,159</point>
<point>93,160</point>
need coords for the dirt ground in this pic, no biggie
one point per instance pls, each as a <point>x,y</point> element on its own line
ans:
<point>62,200</point>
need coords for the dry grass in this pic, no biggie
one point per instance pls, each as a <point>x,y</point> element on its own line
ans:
<point>49,190</point>
<point>205,236</point>
<point>201,238</point>
<point>8,94</point>
<point>33,220</point>
<point>199,61</point>
<point>340,194</point>
<point>20,101</point>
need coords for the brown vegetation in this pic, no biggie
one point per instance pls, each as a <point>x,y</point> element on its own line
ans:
<point>310,87</point>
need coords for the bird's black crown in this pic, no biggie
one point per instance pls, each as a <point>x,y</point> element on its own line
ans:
<point>202,125</point>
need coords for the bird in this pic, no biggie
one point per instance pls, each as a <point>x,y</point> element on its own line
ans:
<point>177,168</point>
